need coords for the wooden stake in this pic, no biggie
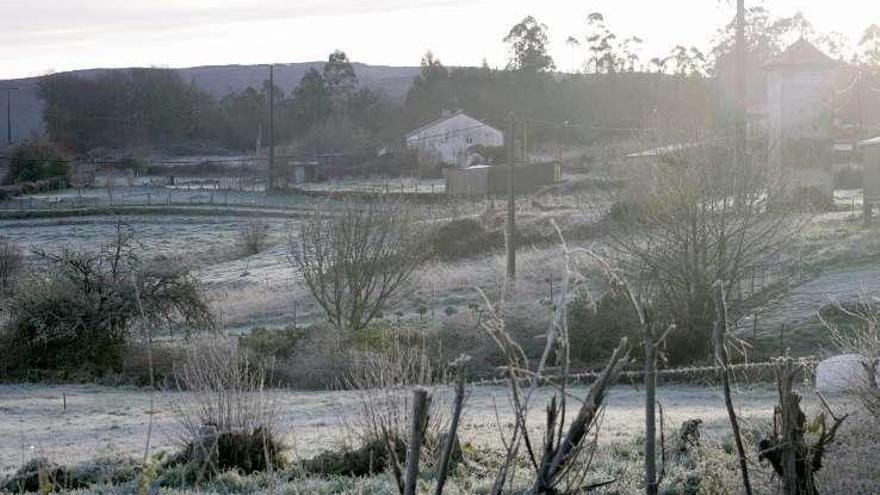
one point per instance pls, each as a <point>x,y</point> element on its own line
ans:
<point>722,359</point>
<point>421,402</point>
<point>461,364</point>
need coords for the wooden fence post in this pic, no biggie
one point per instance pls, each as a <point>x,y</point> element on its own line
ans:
<point>452,437</point>
<point>417,434</point>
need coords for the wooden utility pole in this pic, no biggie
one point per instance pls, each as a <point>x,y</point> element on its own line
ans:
<point>511,205</point>
<point>860,95</point>
<point>740,88</point>
<point>9,90</point>
<point>270,183</point>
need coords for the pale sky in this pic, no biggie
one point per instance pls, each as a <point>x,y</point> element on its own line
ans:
<point>41,35</point>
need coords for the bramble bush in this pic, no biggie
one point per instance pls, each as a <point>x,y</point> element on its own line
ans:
<point>78,311</point>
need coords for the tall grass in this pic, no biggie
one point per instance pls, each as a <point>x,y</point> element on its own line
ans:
<point>383,381</point>
<point>219,386</point>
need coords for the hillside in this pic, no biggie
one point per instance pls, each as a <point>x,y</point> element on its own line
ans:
<point>218,80</point>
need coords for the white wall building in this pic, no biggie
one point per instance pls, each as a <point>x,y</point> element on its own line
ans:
<point>800,90</point>
<point>448,140</point>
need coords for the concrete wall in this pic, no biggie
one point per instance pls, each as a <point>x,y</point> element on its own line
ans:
<point>469,182</point>
<point>493,180</point>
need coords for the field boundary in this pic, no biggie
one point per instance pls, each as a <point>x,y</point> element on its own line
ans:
<point>751,372</point>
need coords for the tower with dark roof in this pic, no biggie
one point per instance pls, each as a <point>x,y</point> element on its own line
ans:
<point>800,112</point>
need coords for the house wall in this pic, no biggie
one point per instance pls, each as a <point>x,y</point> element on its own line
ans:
<point>800,117</point>
<point>448,141</point>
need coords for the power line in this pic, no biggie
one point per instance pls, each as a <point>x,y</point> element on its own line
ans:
<point>157,162</point>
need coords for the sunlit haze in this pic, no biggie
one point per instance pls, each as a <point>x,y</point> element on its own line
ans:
<point>42,35</point>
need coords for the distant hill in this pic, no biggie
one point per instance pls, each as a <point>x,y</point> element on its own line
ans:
<point>218,80</point>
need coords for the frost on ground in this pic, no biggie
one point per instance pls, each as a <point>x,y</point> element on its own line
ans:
<point>104,420</point>
<point>112,422</point>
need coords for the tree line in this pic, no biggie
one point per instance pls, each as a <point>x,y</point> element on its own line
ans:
<point>330,111</point>
<point>157,107</point>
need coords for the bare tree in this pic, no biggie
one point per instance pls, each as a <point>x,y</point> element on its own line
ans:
<point>701,217</point>
<point>355,259</point>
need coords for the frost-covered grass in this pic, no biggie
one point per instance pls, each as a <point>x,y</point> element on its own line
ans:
<point>263,289</point>
<point>102,422</point>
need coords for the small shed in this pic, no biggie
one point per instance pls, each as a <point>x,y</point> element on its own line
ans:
<point>298,171</point>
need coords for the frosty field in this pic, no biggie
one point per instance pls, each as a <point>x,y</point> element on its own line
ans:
<point>102,421</point>
<point>114,420</point>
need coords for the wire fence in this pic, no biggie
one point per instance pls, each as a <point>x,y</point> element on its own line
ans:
<point>427,197</point>
<point>155,198</point>
<point>759,372</point>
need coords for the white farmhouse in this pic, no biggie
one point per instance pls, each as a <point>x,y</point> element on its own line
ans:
<point>449,139</point>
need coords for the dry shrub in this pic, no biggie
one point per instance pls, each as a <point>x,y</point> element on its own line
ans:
<point>165,355</point>
<point>598,325</point>
<point>43,475</point>
<point>384,381</point>
<point>220,387</point>
<point>462,238</point>
<point>370,458</point>
<point>79,310</point>
<point>253,236</point>
<point>318,360</point>
<point>264,343</point>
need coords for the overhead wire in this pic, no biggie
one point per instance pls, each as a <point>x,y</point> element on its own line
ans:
<point>156,162</point>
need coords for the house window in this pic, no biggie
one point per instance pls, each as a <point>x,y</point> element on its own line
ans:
<point>470,140</point>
